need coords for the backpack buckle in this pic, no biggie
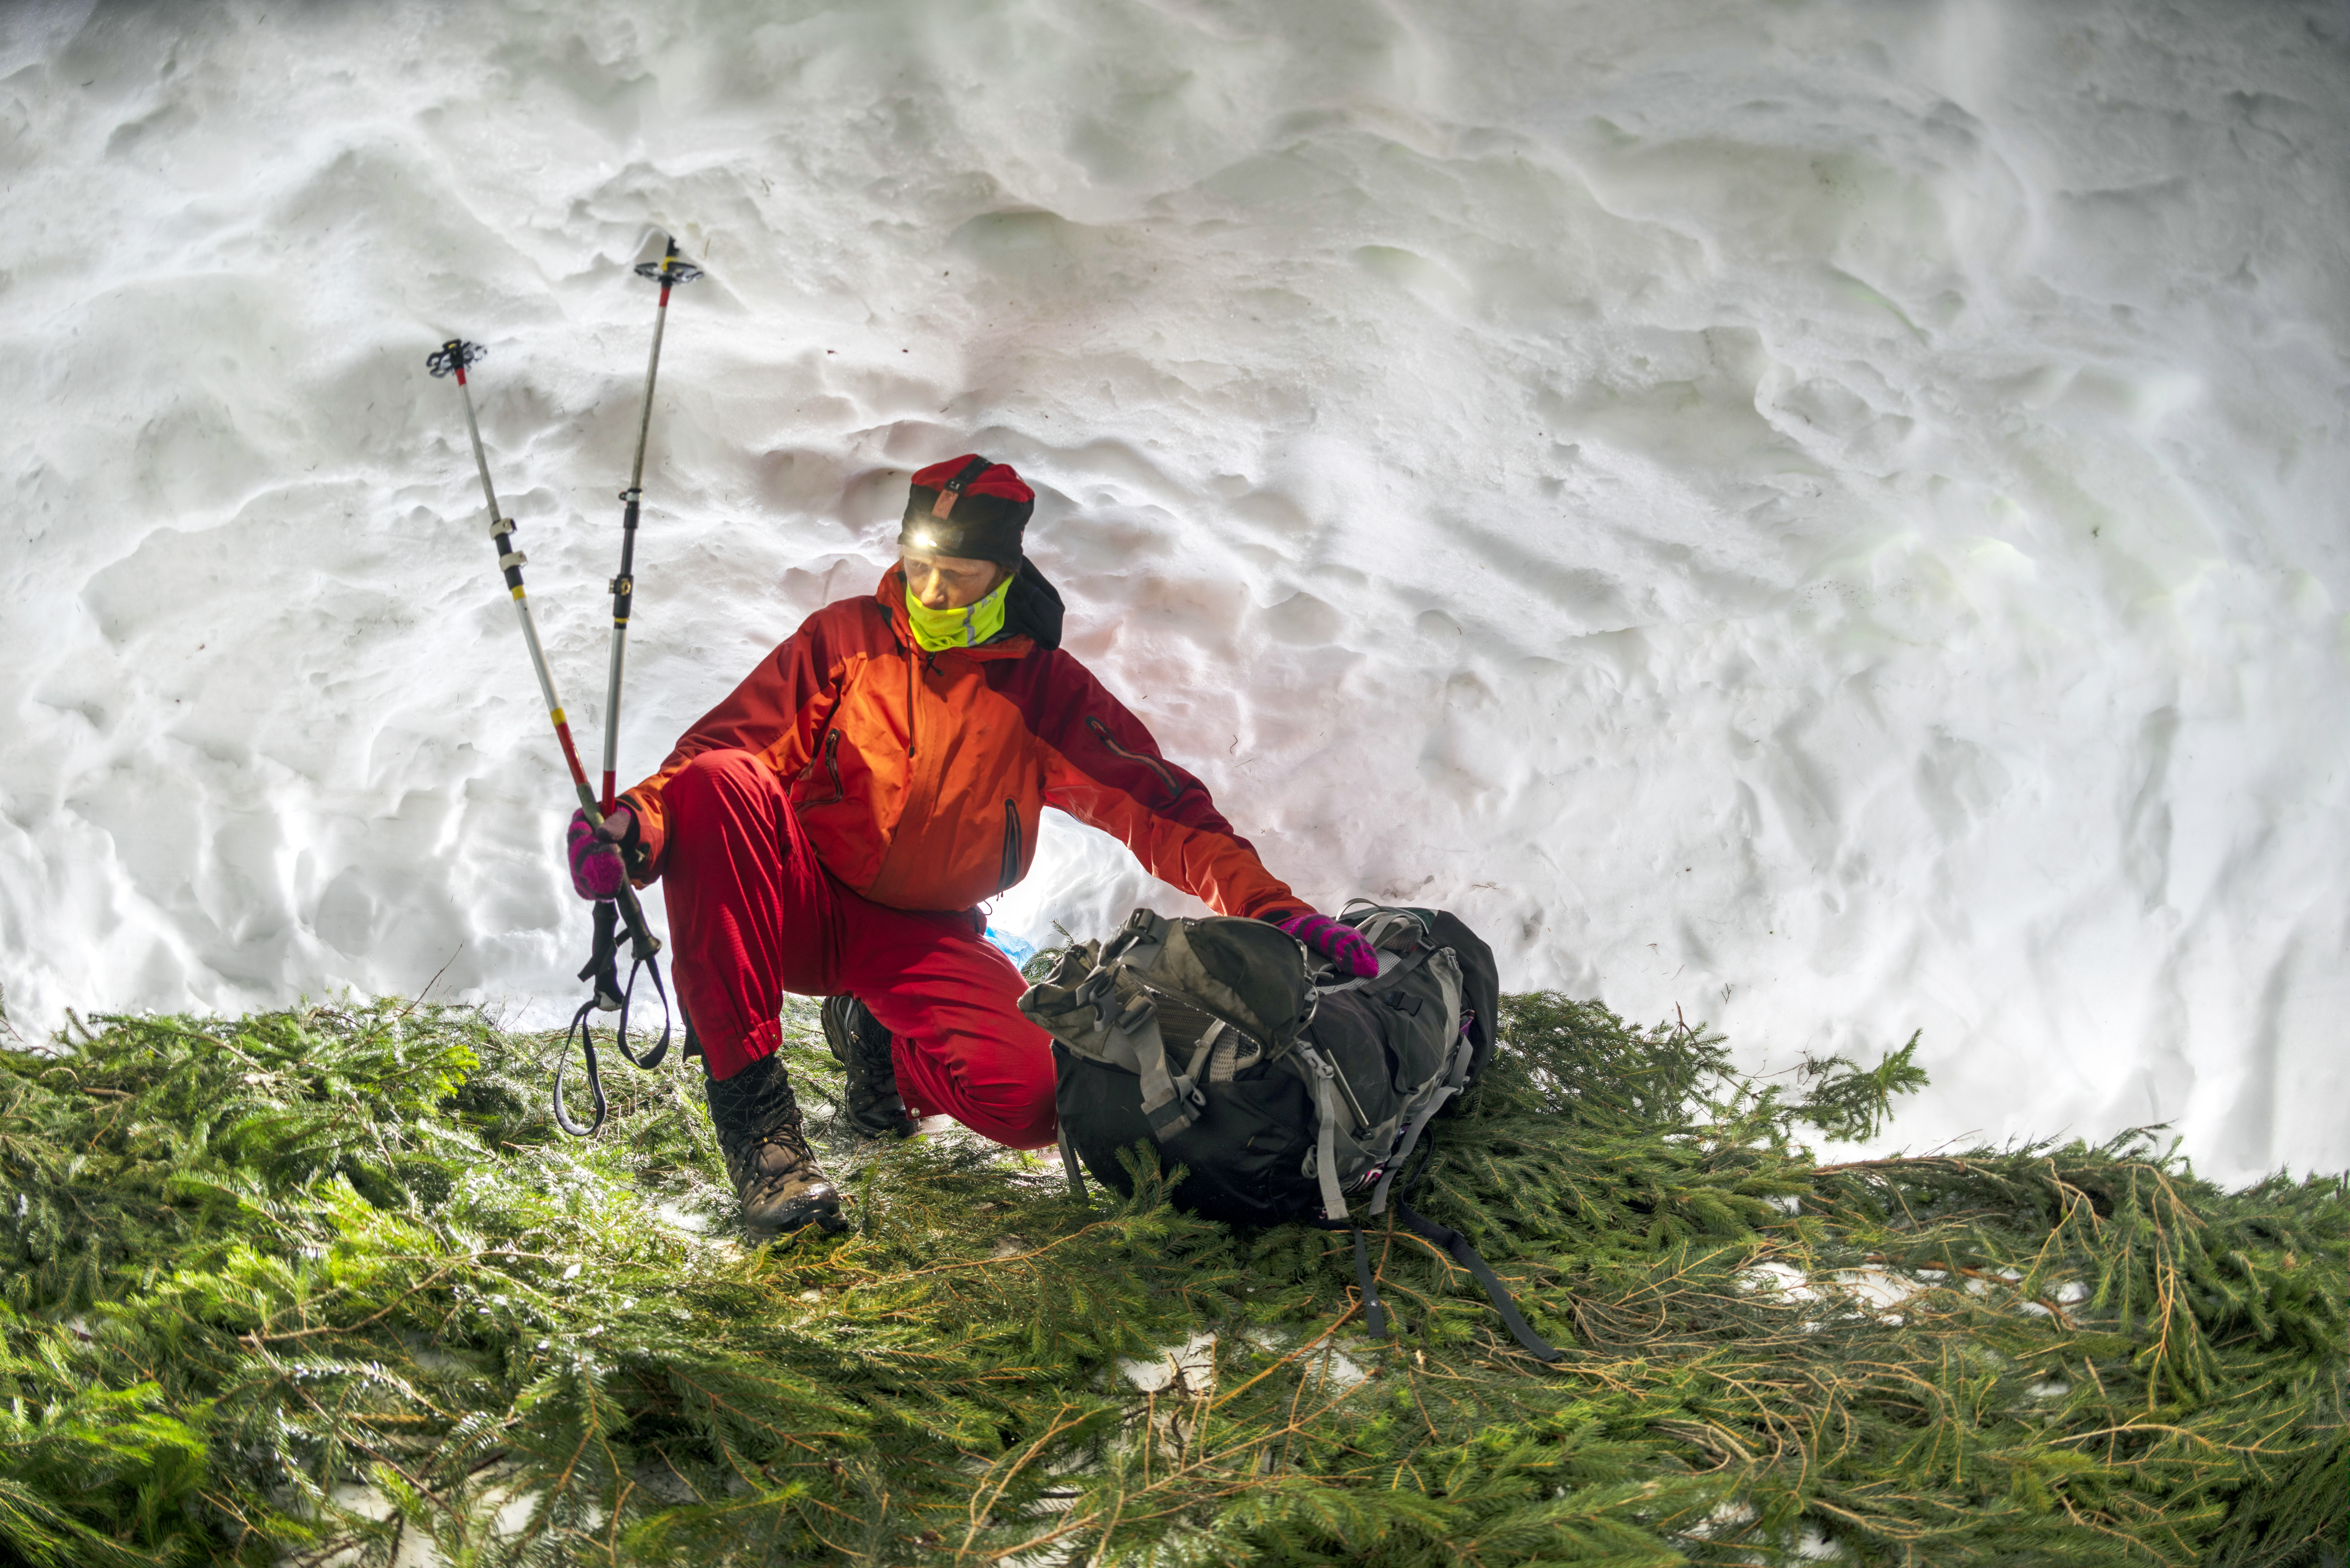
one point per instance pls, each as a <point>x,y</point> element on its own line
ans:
<point>1143,928</point>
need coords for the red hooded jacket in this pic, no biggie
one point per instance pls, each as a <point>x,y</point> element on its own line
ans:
<point>918,776</point>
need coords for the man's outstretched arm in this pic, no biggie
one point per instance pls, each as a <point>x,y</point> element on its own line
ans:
<point>1104,768</point>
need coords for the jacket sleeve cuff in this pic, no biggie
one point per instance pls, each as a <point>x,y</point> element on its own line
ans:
<point>1269,900</point>
<point>640,851</point>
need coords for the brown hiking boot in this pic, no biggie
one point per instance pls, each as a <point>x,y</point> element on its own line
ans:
<point>862,1046</point>
<point>767,1156</point>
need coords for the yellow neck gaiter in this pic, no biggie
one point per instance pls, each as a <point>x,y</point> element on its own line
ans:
<point>965,628</point>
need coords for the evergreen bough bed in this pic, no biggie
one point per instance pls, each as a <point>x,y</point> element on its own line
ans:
<point>305,1286</point>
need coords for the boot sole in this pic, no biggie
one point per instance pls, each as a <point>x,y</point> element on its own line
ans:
<point>825,1217</point>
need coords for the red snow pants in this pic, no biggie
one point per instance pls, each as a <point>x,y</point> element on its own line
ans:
<point>753,914</point>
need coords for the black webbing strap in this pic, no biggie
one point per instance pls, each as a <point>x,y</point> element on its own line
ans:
<point>951,491</point>
<point>587,1033</point>
<point>603,959</point>
<point>609,995</point>
<point>1374,1316</point>
<point>1419,1159</point>
<point>1456,1247</point>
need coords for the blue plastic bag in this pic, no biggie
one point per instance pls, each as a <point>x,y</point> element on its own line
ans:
<point>1012,948</point>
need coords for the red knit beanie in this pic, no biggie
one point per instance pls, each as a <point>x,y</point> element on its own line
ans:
<point>967,507</point>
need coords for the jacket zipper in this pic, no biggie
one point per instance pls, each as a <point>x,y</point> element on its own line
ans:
<point>1011,844</point>
<point>921,789</point>
<point>1101,731</point>
<point>832,766</point>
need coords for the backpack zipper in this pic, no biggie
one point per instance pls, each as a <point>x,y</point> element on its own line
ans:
<point>1011,845</point>
<point>1101,731</point>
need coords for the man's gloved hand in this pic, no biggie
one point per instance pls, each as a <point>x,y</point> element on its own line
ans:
<point>597,868</point>
<point>1342,945</point>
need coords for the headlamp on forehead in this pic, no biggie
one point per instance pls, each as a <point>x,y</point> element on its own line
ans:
<point>968,508</point>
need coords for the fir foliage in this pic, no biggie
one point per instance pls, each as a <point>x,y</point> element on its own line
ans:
<point>304,1286</point>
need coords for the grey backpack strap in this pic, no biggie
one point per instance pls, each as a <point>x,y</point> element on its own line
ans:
<point>1325,1136</point>
<point>1460,1067</point>
<point>1193,1070</point>
<point>1170,1102</point>
<point>1391,964</point>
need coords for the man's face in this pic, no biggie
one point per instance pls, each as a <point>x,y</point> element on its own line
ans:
<point>949,582</point>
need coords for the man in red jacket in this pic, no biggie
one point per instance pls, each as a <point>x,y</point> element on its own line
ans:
<point>830,827</point>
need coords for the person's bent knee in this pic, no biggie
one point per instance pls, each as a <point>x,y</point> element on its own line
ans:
<point>727,768</point>
<point>716,788</point>
<point>1023,1117</point>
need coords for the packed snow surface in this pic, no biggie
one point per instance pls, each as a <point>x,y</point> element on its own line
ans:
<point>1825,519</point>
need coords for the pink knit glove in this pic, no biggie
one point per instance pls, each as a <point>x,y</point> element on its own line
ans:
<point>1342,945</point>
<point>596,871</point>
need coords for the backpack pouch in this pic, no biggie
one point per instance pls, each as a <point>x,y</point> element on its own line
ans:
<point>1419,1017</point>
<point>1349,1029</point>
<point>1481,978</point>
<point>1243,1159</point>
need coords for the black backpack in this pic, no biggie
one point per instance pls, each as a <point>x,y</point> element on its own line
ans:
<point>1286,1092</point>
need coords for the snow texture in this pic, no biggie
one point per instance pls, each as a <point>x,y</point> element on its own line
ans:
<point>1827,518</point>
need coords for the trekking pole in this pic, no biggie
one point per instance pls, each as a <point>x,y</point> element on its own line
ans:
<point>667,272</point>
<point>452,358</point>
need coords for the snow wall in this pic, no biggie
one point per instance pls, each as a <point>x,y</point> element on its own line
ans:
<point>1825,519</point>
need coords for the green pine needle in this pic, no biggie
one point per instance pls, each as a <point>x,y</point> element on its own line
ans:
<point>310,1285</point>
